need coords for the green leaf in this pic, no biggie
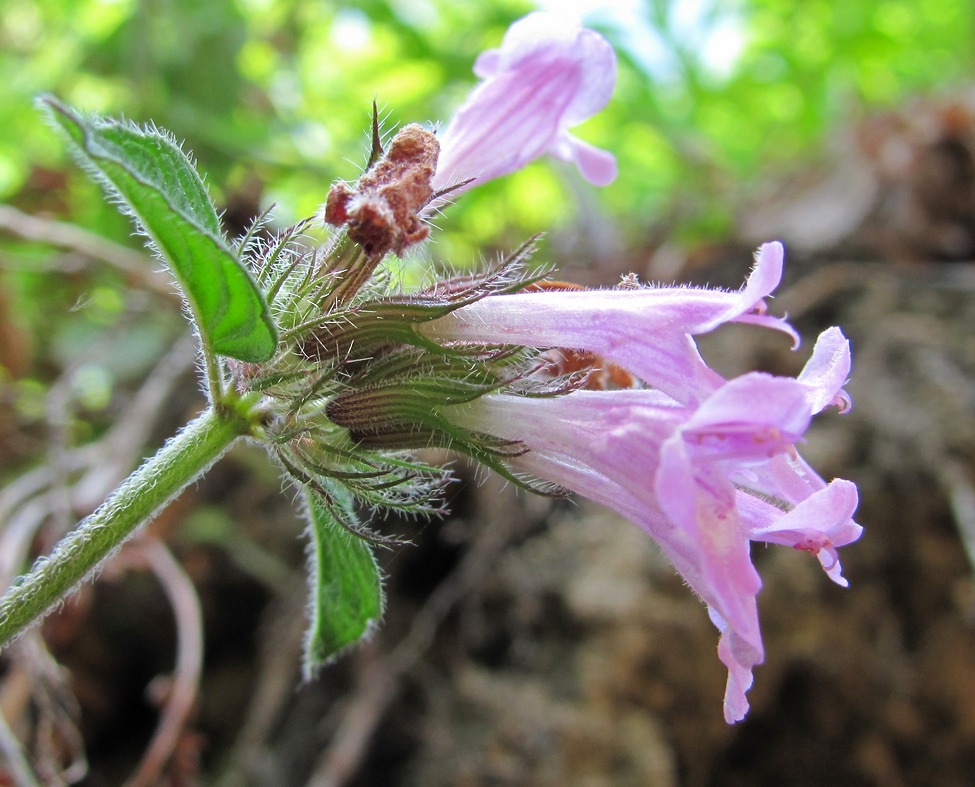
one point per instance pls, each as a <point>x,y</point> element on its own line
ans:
<point>346,587</point>
<point>158,185</point>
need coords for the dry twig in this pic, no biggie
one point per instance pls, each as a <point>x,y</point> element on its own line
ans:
<point>182,691</point>
<point>133,264</point>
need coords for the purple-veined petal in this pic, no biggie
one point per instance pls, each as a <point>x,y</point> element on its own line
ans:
<point>753,417</point>
<point>501,129</point>
<point>541,38</point>
<point>700,500</point>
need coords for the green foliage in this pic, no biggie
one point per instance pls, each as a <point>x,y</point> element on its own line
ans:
<point>693,135</point>
<point>154,181</point>
<point>346,587</point>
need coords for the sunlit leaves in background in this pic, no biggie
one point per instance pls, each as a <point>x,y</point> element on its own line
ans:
<point>721,94</point>
<point>274,96</point>
<point>285,86</point>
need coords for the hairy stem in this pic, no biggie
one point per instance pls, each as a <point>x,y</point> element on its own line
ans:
<point>141,496</point>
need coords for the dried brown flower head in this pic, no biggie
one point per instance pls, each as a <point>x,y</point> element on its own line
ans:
<point>382,209</point>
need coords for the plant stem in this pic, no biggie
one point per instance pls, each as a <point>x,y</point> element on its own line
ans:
<point>214,373</point>
<point>141,496</point>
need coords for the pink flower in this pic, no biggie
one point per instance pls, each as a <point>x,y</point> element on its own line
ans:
<point>704,480</point>
<point>649,331</point>
<point>548,75</point>
<point>704,465</point>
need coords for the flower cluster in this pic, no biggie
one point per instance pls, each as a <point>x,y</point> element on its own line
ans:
<point>599,392</point>
<point>704,465</point>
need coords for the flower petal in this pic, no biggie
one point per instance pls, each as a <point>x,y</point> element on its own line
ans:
<point>819,524</point>
<point>753,417</point>
<point>740,658</point>
<point>487,64</point>
<point>701,502</point>
<point>764,278</point>
<point>598,77</point>
<point>596,165</point>
<point>826,372</point>
<point>548,75</point>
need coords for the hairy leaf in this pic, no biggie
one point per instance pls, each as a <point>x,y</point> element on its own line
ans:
<point>346,587</point>
<point>154,181</point>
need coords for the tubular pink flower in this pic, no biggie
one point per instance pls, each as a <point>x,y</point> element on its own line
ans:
<point>647,331</point>
<point>677,471</point>
<point>704,465</point>
<point>548,75</point>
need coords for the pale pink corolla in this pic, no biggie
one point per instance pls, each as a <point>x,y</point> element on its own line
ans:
<point>647,331</point>
<point>700,478</point>
<point>702,464</point>
<point>548,75</point>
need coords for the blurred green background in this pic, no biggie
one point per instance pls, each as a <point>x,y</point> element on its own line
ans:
<point>711,95</point>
